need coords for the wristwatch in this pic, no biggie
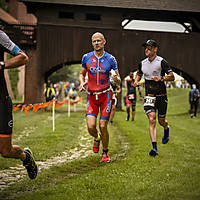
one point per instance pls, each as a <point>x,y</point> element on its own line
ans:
<point>2,64</point>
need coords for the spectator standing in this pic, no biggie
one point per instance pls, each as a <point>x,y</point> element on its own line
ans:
<point>194,100</point>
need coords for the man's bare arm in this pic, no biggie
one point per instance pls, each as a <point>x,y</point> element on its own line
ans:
<point>137,79</point>
<point>20,59</point>
<point>168,77</point>
<point>82,79</point>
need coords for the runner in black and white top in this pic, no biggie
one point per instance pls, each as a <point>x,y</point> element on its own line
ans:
<point>8,150</point>
<point>156,70</point>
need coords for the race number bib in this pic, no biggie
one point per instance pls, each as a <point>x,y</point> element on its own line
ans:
<point>149,101</point>
<point>131,96</point>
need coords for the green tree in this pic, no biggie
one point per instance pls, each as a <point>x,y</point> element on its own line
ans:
<point>4,5</point>
<point>66,73</point>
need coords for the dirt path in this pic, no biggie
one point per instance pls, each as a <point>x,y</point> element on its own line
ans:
<point>15,174</point>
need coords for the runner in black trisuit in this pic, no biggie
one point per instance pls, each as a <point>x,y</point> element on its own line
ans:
<point>7,150</point>
<point>156,70</point>
<point>130,96</point>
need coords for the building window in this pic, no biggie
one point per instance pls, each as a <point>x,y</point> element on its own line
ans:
<point>95,17</point>
<point>67,15</point>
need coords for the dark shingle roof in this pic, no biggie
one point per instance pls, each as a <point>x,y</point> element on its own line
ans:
<point>171,5</point>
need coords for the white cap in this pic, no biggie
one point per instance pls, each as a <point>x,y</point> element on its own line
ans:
<point>194,86</point>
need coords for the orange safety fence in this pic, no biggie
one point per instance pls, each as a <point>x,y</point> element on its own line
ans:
<point>36,107</point>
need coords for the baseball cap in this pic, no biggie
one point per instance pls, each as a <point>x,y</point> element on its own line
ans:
<point>151,43</point>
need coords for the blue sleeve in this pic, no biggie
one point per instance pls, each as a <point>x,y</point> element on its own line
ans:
<point>84,60</point>
<point>8,45</point>
<point>15,50</point>
<point>113,63</point>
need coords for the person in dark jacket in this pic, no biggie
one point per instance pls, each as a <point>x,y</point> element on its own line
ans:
<point>194,100</point>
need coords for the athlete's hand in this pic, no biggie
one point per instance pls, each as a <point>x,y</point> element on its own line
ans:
<point>82,86</point>
<point>116,79</point>
<point>135,84</point>
<point>156,78</point>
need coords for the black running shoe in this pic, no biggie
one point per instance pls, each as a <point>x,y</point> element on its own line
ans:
<point>127,119</point>
<point>31,166</point>
<point>153,152</point>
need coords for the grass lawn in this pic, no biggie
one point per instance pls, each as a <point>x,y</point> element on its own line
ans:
<point>132,174</point>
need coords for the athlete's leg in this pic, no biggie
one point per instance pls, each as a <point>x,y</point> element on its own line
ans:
<point>152,131</point>
<point>105,110</point>
<point>104,133</point>
<point>133,110</point>
<point>112,113</point>
<point>152,126</point>
<point>133,115</point>
<point>162,110</point>
<point>7,150</point>
<point>163,122</point>
<point>91,125</point>
<point>128,111</point>
<point>91,115</point>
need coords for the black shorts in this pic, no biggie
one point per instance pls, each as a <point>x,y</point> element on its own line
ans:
<point>6,118</point>
<point>160,105</point>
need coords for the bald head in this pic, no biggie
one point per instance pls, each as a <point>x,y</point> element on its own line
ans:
<point>98,42</point>
<point>98,34</point>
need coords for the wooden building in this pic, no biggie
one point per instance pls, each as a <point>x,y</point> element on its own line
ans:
<point>64,29</point>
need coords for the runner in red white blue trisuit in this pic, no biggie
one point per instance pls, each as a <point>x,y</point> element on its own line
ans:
<point>98,70</point>
<point>98,64</point>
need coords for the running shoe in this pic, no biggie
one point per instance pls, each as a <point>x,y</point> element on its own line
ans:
<point>127,119</point>
<point>153,152</point>
<point>111,121</point>
<point>96,146</point>
<point>165,138</point>
<point>105,157</point>
<point>31,165</point>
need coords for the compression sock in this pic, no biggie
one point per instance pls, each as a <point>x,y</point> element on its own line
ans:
<point>105,151</point>
<point>154,145</point>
